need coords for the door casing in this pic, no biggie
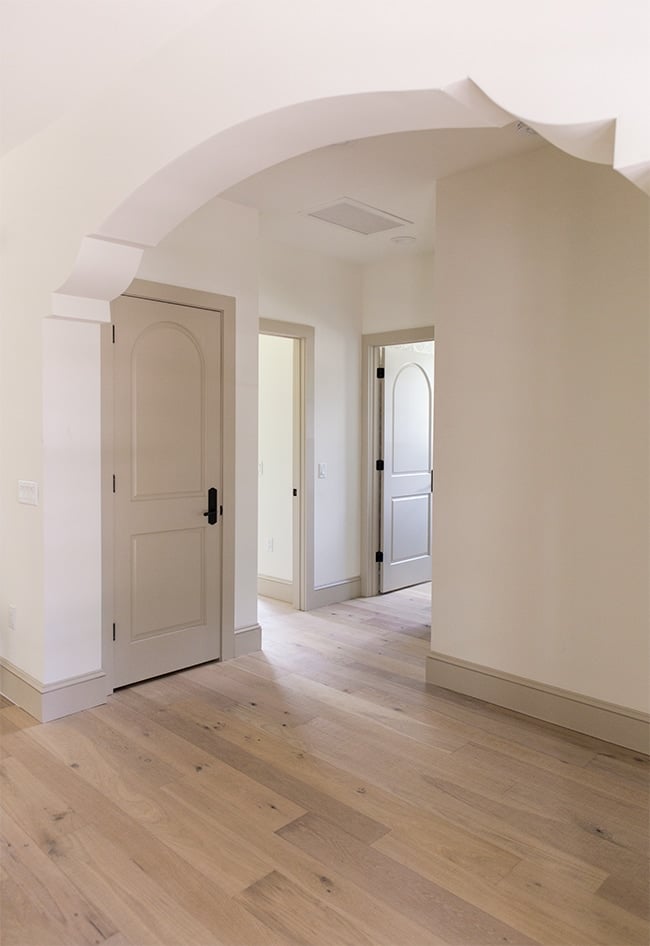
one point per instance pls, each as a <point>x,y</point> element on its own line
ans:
<point>225,305</point>
<point>370,494</point>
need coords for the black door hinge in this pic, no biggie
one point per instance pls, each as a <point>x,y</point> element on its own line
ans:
<point>113,328</point>
<point>379,466</point>
<point>379,556</point>
<point>295,492</point>
<point>113,631</point>
<point>380,373</point>
<point>113,482</point>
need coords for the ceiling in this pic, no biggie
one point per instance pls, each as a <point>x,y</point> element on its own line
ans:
<point>46,72</point>
<point>57,54</point>
<point>395,174</point>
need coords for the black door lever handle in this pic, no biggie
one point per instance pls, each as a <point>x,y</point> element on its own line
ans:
<point>212,506</point>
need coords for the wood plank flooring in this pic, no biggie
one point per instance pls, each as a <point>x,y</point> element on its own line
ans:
<point>318,794</point>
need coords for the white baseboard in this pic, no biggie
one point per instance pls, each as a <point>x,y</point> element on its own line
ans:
<point>276,588</point>
<point>608,721</point>
<point>48,701</point>
<point>333,594</point>
<point>248,640</point>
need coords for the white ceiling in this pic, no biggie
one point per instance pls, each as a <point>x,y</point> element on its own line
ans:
<point>57,54</point>
<point>46,71</point>
<point>392,173</point>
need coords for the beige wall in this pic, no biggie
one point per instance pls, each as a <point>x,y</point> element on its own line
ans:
<point>541,427</point>
<point>304,287</point>
<point>398,292</point>
<point>275,458</point>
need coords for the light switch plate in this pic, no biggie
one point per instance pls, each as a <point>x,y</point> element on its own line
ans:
<point>322,471</point>
<point>28,492</point>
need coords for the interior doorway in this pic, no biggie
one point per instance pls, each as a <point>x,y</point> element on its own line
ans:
<point>398,481</point>
<point>285,440</point>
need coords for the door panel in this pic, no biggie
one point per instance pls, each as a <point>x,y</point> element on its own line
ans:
<point>168,378</point>
<point>407,477</point>
<point>167,365</point>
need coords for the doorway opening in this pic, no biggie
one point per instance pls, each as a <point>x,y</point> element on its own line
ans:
<point>285,442</point>
<point>398,480</point>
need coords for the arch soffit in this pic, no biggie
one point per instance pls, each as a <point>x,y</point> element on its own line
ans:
<point>109,258</point>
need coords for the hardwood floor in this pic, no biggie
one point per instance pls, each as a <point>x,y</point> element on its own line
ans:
<point>318,793</point>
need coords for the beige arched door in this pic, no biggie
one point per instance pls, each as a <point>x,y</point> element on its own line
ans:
<point>167,377</point>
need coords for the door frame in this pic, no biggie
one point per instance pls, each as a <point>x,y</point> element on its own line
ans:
<point>224,306</point>
<point>303,458</point>
<point>370,439</point>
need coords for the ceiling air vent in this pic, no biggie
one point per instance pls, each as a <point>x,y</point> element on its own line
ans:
<point>353,215</point>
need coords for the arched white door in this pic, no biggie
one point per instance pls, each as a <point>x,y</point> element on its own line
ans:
<point>407,481</point>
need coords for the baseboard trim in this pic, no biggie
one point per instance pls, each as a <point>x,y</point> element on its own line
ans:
<point>276,588</point>
<point>608,721</point>
<point>248,640</point>
<point>48,701</point>
<point>338,591</point>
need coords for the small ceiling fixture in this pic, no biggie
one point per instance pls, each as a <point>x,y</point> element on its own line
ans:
<point>354,215</point>
<point>403,240</point>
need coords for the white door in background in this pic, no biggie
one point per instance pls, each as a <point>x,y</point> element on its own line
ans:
<point>407,480</point>
<point>167,376</point>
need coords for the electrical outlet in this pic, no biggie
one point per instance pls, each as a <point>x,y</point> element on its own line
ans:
<point>269,545</point>
<point>12,617</point>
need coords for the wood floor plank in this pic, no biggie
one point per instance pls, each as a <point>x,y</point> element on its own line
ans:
<point>23,921</point>
<point>316,793</point>
<point>578,841</point>
<point>529,914</point>
<point>469,832</point>
<point>384,926</point>
<point>597,920</point>
<point>53,896</point>
<point>42,809</point>
<point>630,890</point>
<point>298,917</point>
<point>194,728</point>
<point>457,921</point>
<point>181,882</point>
<point>135,902</point>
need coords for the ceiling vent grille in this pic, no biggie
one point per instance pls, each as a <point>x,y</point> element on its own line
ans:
<point>361,218</point>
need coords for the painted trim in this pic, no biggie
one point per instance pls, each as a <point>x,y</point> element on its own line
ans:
<point>248,640</point>
<point>607,721</point>
<point>276,588</point>
<point>48,701</point>
<point>335,593</point>
<point>370,422</point>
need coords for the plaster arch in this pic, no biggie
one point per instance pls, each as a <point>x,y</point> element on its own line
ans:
<point>108,258</point>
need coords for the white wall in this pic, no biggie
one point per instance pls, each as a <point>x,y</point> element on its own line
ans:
<point>303,287</point>
<point>72,436</point>
<point>216,250</point>
<point>398,292</point>
<point>64,183</point>
<point>276,406</point>
<point>541,425</point>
